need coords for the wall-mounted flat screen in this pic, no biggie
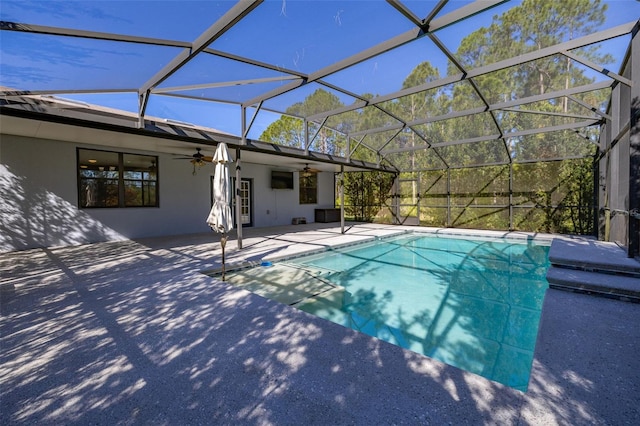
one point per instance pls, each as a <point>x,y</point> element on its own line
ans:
<point>281,180</point>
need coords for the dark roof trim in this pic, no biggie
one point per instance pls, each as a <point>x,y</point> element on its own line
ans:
<point>44,110</point>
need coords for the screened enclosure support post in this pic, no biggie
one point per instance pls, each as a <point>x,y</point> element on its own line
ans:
<point>596,191</point>
<point>394,204</point>
<point>306,137</point>
<point>243,141</point>
<point>341,189</point>
<point>634,150</point>
<point>511,196</point>
<point>143,99</point>
<point>238,200</point>
<point>448,197</point>
<point>362,214</point>
<point>418,198</point>
<point>348,156</point>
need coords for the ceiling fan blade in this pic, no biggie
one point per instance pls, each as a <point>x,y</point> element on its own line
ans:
<point>198,157</point>
<point>308,169</point>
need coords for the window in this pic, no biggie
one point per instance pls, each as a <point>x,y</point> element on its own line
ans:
<point>116,179</point>
<point>308,184</point>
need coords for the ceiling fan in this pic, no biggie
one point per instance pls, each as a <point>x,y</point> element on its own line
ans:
<point>198,159</point>
<point>307,171</point>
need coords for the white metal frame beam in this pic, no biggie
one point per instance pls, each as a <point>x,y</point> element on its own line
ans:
<point>507,63</point>
<point>451,18</point>
<point>235,14</point>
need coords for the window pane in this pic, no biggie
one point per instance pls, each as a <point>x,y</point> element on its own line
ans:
<point>132,193</point>
<point>140,174</point>
<point>113,179</point>
<point>128,174</point>
<point>98,174</point>
<point>150,194</point>
<point>308,183</point>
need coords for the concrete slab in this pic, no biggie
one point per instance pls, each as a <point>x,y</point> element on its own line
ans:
<point>605,284</point>
<point>90,335</point>
<point>586,370</point>
<point>591,254</point>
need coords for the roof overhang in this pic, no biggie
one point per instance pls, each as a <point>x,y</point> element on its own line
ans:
<point>40,118</point>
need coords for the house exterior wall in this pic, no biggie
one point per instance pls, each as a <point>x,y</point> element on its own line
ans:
<point>39,198</point>
<point>274,207</point>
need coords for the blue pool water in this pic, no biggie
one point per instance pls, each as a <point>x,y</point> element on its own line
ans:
<point>471,303</point>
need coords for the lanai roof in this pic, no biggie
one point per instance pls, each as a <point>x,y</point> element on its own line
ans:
<point>230,69</point>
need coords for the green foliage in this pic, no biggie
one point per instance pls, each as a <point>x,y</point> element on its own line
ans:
<point>365,194</point>
<point>547,195</point>
<point>576,206</point>
<point>555,197</point>
<point>287,131</point>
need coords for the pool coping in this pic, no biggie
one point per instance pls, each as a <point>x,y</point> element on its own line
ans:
<point>445,232</point>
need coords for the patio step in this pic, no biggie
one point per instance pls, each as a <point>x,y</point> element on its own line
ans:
<point>592,255</point>
<point>594,267</point>
<point>624,287</point>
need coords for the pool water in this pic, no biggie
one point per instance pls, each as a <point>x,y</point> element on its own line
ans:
<point>471,303</point>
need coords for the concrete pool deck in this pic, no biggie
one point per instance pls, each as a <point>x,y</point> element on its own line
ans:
<point>133,333</point>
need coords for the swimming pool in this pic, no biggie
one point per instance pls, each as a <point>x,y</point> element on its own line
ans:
<point>471,303</point>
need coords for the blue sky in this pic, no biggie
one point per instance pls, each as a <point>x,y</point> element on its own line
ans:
<point>340,29</point>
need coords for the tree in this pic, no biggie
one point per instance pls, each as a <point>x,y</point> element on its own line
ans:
<point>549,195</point>
<point>289,130</point>
<point>366,194</point>
<point>534,25</point>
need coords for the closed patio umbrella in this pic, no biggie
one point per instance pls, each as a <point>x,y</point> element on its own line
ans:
<point>220,219</point>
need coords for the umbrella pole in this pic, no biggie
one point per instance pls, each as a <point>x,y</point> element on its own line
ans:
<point>223,243</point>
